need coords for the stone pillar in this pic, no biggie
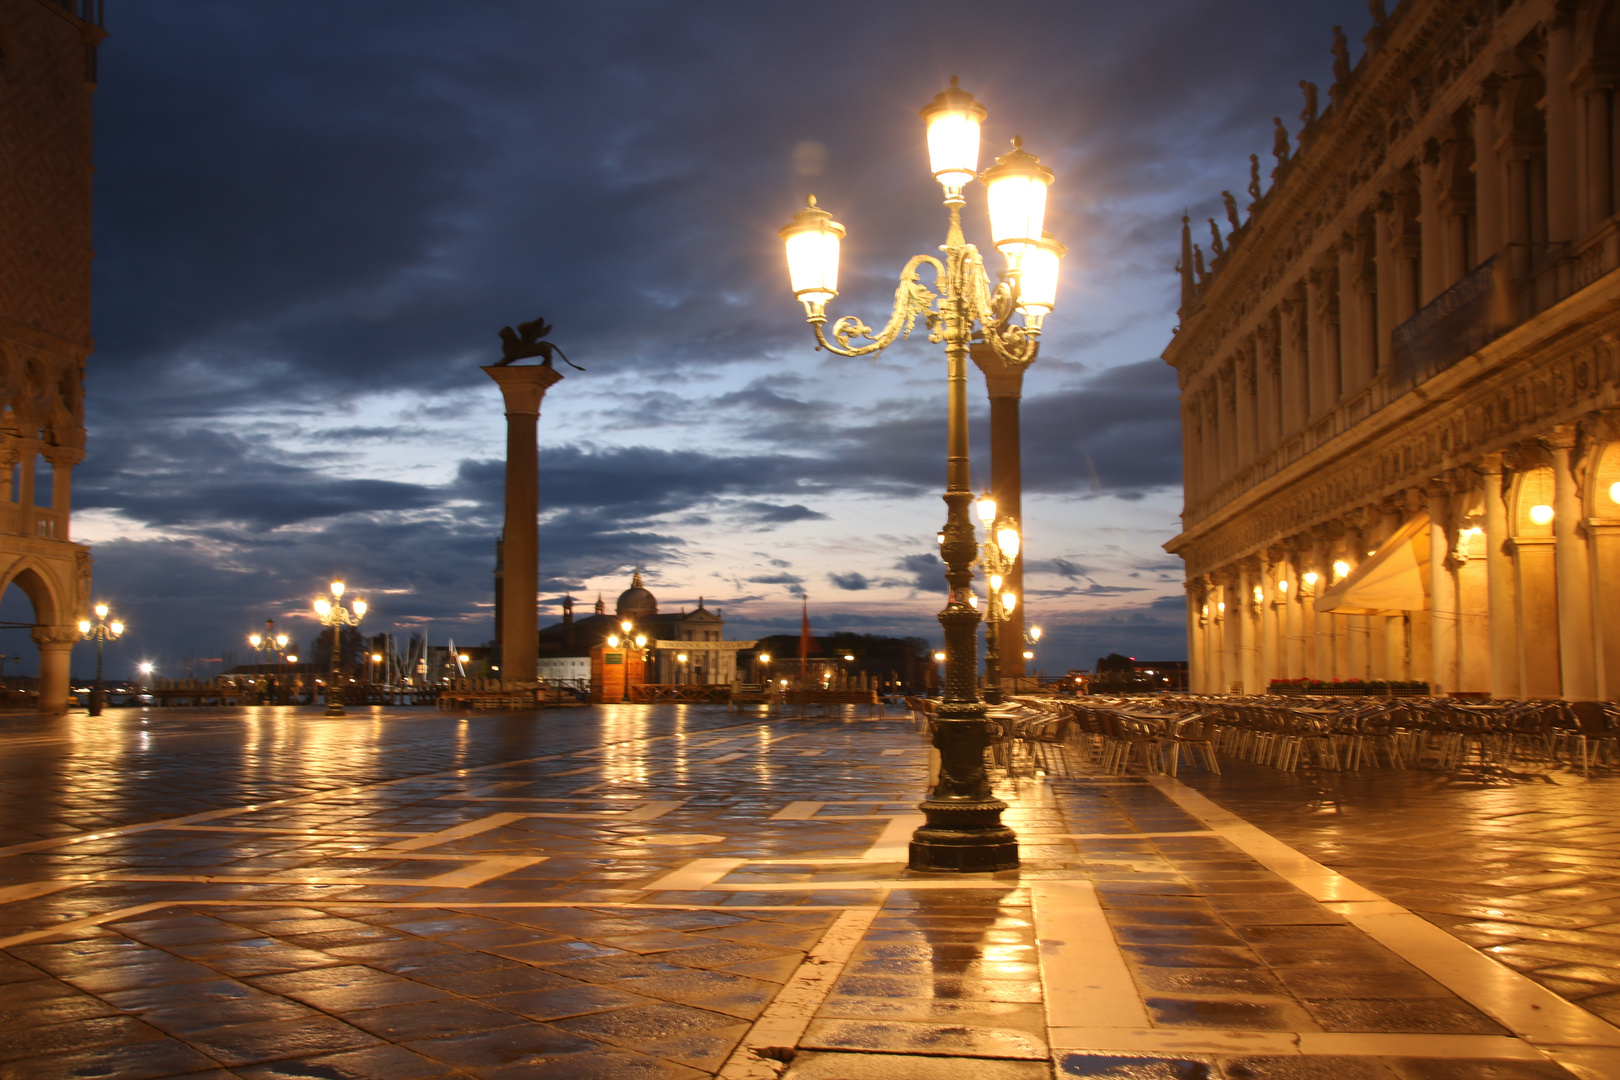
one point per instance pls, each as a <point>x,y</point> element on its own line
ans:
<point>1603,539</point>
<point>1295,385</point>
<point>1351,372</point>
<point>55,665</point>
<point>1316,343</point>
<point>1433,230</point>
<point>1442,595</point>
<point>1004,382</point>
<point>1249,641</point>
<point>1500,605</point>
<point>1230,616</point>
<point>1324,649</point>
<point>1358,660</point>
<point>1488,208</point>
<point>1384,257</point>
<point>1195,640</point>
<point>1577,652</point>
<point>1243,387</point>
<point>1562,197</point>
<point>62,459</point>
<point>1268,665</point>
<point>1293,650</point>
<point>522,389</point>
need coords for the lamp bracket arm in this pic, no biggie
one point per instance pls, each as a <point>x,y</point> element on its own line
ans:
<point>911,299</point>
<point>994,309</point>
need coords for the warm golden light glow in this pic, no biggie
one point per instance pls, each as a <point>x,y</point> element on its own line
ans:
<point>1614,492</point>
<point>1016,191</point>
<point>973,601</point>
<point>641,641</point>
<point>359,608</point>
<point>953,121</point>
<point>1310,577</point>
<point>101,611</point>
<point>323,607</point>
<point>1259,595</point>
<point>812,241</point>
<point>1035,633</point>
<point>337,588</point>
<point>1008,541</point>
<point>1038,280</point>
<point>1282,586</point>
<point>1340,568</point>
<point>985,507</point>
<point>1028,655</point>
<point>626,625</point>
<point>376,658</point>
<point>613,641</point>
<point>995,582</point>
<point>765,658</point>
<point>84,626</point>
<point>281,640</point>
<point>848,656</point>
<point>1221,606</point>
<point>1541,514</point>
<point>939,657</point>
<point>1008,601</point>
<point>463,657</point>
<point>254,639</point>
<point>116,627</point>
<point>292,659</point>
<point>681,657</point>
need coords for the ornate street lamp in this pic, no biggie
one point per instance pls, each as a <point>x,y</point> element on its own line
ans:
<point>999,555</point>
<point>272,648</point>
<point>100,631</point>
<point>332,613</point>
<point>963,829</point>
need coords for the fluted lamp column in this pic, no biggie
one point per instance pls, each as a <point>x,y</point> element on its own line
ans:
<point>963,831</point>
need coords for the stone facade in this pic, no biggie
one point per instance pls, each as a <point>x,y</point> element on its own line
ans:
<point>1409,351</point>
<point>47,78</point>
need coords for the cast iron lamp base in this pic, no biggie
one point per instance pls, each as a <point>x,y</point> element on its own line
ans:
<point>966,837</point>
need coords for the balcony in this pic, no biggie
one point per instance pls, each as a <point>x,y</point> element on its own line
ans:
<point>1457,323</point>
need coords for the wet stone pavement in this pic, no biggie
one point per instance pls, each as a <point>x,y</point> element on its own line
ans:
<point>669,891</point>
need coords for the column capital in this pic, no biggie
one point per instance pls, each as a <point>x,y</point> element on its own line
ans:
<point>55,637</point>
<point>1561,437</point>
<point>1002,377</point>
<point>1490,464</point>
<point>522,387</point>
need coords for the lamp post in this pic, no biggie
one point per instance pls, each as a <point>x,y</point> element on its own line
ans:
<point>332,613</point>
<point>269,644</point>
<point>998,557</point>
<point>100,631</point>
<point>963,830</point>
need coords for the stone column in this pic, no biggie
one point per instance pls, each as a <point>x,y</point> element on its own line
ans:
<point>1562,197</point>
<point>1442,594</point>
<point>1230,615</point>
<point>1268,665</point>
<point>1499,583</point>
<point>1292,618</point>
<point>1249,641</point>
<point>1603,538</point>
<point>1384,257</point>
<point>1195,639</point>
<point>1004,383</point>
<point>1324,648</point>
<point>1488,208</point>
<point>1316,343</point>
<point>1243,388</point>
<point>1433,231</point>
<point>1357,647</point>
<point>1295,386</point>
<point>1351,371</point>
<point>55,665</point>
<point>62,459</point>
<point>1577,652</point>
<point>522,388</point>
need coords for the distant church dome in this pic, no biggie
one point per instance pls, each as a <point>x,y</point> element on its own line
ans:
<point>636,602</point>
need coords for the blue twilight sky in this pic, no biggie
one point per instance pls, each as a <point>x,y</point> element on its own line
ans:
<point>312,218</point>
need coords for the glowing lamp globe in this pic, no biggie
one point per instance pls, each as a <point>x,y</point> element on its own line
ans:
<point>101,611</point>
<point>1008,601</point>
<point>1541,514</point>
<point>359,608</point>
<point>812,241</point>
<point>1037,280</point>
<point>254,639</point>
<point>985,507</point>
<point>1035,632</point>
<point>323,607</point>
<point>84,626</point>
<point>613,641</point>
<point>953,120</point>
<point>1016,191</point>
<point>337,588</point>
<point>1007,539</point>
<point>116,627</point>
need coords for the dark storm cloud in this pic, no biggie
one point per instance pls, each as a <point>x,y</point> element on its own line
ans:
<point>926,571</point>
<point>853,581</point>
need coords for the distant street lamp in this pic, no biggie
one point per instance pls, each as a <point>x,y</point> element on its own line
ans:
<point>332,613</point>
<point>963,831</point>
<point>269,644</point>
<point>376,658</point>
<point>99,631</point>
<point>999,555</point>
<point>680,658</point>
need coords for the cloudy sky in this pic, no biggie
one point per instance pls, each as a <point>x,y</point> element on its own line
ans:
<point>312,218</point>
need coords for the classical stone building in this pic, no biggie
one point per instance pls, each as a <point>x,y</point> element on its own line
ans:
<point>47,76</point>
<point>698,635</point>
<point>1400,376</point>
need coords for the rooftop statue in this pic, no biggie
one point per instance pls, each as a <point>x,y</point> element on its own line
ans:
<point>1377,9</point>
<point>1341,59</point>
<point>1279,144</point>
<point>1307,115</point>
<point>527,342</point>
<point>1217,249</point>
<point>1254,178</point>
<point>1231,209</point>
